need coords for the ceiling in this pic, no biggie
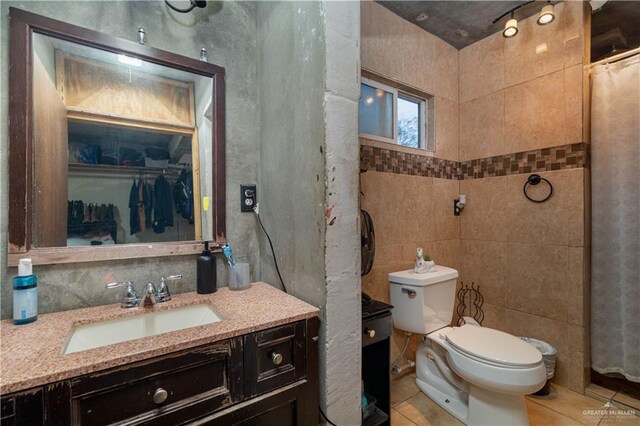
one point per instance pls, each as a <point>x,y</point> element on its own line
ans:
<point>614,27</point>
<point>460,23</point>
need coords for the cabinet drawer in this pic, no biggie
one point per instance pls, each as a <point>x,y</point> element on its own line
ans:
<point>376,329</point>
<point>169,390</point>
<point>273,358</point>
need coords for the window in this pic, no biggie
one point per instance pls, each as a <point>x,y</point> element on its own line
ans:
<point>391,115</point>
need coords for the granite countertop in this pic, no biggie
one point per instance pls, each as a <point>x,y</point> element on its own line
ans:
<point>31,354</point>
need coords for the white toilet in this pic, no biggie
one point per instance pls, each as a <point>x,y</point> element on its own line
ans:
<point>478,374</point>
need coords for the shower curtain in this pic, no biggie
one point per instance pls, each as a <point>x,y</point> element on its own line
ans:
<point>615,230</point>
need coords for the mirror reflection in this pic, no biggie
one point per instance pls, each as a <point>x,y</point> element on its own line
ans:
<point>124,136</point>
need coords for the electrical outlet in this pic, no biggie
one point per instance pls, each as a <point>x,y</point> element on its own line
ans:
<point>248,198</point>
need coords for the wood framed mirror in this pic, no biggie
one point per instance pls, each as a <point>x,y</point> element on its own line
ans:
<point>116,149</point>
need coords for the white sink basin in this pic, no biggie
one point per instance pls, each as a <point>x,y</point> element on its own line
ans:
<point>90,336</point>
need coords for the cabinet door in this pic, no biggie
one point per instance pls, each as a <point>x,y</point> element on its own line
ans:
<point>23,408</point>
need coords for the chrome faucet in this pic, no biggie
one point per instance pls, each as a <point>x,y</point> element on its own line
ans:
<point>150,296</point>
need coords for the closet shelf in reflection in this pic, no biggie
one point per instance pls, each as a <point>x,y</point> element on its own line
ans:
<point>124,171</point>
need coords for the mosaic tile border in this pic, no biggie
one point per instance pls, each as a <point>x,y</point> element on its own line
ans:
<point>562,157</point>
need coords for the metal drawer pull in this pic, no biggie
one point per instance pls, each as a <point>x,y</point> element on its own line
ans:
<point>411,293</point>
<point>160,396</point>
<point>276,358</point>
<point>369,332</point>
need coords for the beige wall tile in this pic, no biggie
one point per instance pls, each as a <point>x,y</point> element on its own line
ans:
<point>383,201</point>
<point>446,226</point>
<point>574,181</point>
<point>416,212</point>
<point>485,263</point>
<point>482,68</point>
<point>573,24</point>
<point>536,51</point>
<point>482,127</point>
<point>494,316</point>
<point>382,38</point>
<point>418,52</point>
<point>548,330</point>
<point>537,280</point>
<point>534,112</point>
<point>388,254</point>
<point>576,336</point>
<point>576,306</point>
<point>447,253</point>
<point>573,103</point>
<point>485,215</point>
<point>558,220</point>
<point>446,118</point>
<point>446,70</point>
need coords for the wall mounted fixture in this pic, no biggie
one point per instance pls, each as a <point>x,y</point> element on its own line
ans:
<point>142,36</point>
<point>534,180</point>
<point>203,55</point>
<point>546,15</point>
<point>458,204</point>
<point>510,28</point>
<point>194,4</point>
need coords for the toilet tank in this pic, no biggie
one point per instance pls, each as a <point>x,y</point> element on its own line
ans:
<point>423,303</point>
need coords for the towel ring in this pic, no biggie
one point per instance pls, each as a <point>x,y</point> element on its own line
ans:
<point>534,180</point>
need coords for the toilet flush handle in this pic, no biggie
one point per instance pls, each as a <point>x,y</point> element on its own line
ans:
<point>410,293</point>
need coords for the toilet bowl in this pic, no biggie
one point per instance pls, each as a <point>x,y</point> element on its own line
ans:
<point>478,374</point>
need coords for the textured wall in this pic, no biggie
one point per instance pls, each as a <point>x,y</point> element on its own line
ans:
<point>228,31</point>
<point>308,53</point>
<point>342,343</point>
<point>519,94</point>
<point>411,211</point>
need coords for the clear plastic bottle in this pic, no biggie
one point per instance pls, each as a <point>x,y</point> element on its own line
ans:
<point>25,294</point>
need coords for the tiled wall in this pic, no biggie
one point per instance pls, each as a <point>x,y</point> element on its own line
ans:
<point>520,111</point>
<point>526,94</point>
<point>411,211</point>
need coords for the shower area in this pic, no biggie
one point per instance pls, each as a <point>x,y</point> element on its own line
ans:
<point>615,222</point>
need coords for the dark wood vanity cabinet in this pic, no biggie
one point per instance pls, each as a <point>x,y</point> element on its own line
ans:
<point>264,378</point>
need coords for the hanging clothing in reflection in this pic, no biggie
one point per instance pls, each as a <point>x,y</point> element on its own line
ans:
<point>183,194</point>
<point>162,205</point>
<point>134,218</point>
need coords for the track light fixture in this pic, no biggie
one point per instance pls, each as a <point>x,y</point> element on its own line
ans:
<point>546,15</point>
<point>510,28</point>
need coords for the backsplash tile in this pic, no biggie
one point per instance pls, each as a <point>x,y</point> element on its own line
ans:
<point>562,157</point>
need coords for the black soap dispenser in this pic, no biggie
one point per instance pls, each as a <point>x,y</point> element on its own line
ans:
<point>206,271</point>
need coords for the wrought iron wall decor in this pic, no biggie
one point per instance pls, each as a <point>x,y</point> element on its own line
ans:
<point>476,300</point>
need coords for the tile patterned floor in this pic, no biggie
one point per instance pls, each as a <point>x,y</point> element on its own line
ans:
<point>561,407</point>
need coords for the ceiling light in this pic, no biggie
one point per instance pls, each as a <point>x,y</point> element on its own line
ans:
<point>510,28</point>
<point>368,100</point>
<point>129,60</point>
<point>379,93</point>
<point>546,15</point>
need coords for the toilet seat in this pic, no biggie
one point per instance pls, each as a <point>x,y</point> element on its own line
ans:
<point>492,347</point>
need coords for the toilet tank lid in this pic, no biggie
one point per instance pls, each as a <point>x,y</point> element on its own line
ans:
<point>408,277</point>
